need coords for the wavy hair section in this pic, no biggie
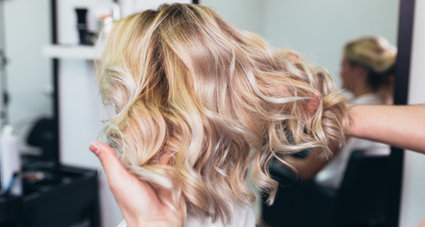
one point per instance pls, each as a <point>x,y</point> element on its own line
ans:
<point>212,102</point>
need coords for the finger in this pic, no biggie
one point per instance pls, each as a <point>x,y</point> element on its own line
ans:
<point>283,90</point>
<point>164,159</point>
<point>293,57</point>
<point>313,103</point>
<point>109,160</point>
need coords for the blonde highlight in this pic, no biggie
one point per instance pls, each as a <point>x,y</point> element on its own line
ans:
<point>218,102</point>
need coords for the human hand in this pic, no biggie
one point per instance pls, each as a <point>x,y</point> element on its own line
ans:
<point>138,201</point>
<point>313,103</point>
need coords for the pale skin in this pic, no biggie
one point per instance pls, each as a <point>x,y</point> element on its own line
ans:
<point>308,167</point>
<point>422,224</point>
<point>137,200</point>
<point>401,126</point>
<point>354,79</point>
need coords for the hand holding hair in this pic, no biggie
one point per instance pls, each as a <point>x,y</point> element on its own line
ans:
<point>138,201</point>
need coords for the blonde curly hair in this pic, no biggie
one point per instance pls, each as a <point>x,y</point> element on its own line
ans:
<point>215,102</point>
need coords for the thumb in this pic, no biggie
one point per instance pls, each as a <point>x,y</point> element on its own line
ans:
<point>109,160</point>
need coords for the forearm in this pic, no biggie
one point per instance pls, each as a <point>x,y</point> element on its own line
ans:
<point>401,126</point>
<point>308,167</point>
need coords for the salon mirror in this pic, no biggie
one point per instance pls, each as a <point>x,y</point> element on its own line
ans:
<point>318,30</point>
<point>25,27</point>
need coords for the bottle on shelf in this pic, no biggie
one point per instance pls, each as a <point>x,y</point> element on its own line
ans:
<point>116,10</point>
<point>10,162</point>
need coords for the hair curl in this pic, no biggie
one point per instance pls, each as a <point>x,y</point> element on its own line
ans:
<point>217,102</point>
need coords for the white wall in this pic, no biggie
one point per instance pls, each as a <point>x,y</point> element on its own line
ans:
<point>1,48</point>
<point>319,29</point>
<point>413,189</point>
<point>1,25</point>
<point>245,14</point>
<point>27,29</point>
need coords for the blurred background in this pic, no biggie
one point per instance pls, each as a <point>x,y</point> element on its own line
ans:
<point>50,98</point>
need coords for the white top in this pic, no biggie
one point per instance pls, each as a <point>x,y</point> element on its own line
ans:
<point>242,217</point>
<point>332,174</point>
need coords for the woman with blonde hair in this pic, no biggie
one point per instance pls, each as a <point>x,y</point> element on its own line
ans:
<point>368,73</point>
<point>368,69</point>
<point>200,106</point>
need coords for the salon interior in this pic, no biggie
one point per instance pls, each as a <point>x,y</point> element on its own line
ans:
<point>51,110</point>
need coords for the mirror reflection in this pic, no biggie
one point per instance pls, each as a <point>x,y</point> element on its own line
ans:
<point>27,84</point>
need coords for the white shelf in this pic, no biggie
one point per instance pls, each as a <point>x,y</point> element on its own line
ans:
<point>71,52</point>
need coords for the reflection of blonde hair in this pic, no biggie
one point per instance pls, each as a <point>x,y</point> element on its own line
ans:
<point>375,53</point>
<point>216,100</point>
<point>378,57</point>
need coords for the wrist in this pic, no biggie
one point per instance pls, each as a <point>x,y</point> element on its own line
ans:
<point>352,128</point>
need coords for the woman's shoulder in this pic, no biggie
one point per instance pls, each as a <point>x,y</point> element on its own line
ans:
<point>368,99</point>
<point>241,216</point>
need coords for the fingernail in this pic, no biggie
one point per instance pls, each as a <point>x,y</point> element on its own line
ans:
<point>95,149</point>
<point>292,57</point>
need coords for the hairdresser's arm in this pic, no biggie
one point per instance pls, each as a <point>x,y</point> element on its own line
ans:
<point>401,126</point>
<point>137,200</point>
<point>307,167</point>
